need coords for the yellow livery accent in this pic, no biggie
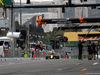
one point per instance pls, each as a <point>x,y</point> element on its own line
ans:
<point>73,36</point>
<point>1,2</point>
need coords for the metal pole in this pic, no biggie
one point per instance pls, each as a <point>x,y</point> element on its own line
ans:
<point>20,19</point>
<point>53,6</point>
<point>63,49</point>
<point>64,46</point>
<point>20,14</point>
<point>28,34</point>
<point>71,20</point>
<point>12,30</point>
<point>54,44</point>
<point>28,37</point>
<point>12,17</point>
<point>79,27</point>
<point>88,32</point>
<point>69,2</point>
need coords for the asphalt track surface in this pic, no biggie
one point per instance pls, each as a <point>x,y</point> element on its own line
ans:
<point>51,67</point>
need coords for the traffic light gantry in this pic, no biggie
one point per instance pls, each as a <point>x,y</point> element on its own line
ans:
<point>68,20</point>
<point>78,27</point>
<point>39,20</point>
<point>28,1</point>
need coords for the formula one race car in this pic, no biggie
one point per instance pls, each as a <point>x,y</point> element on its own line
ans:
<point>52,56</point>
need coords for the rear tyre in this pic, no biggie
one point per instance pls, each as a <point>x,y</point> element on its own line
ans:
<point>57,57</point>
<point>46,57</point>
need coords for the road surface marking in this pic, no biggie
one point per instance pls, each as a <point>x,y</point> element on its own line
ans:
<point>59,69</point>
<point>78,64</point>
<point>2,65</point>
<point>95,63</point>
<point>84,69</point>
<point>10,63</point>
<point>93,73</point>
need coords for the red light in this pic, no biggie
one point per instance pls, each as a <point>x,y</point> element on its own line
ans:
<point>34,56</point>
<point>29,45</point>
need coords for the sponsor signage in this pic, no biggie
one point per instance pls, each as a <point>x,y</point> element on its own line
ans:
<point>22,51</point>
<point>6,50</point>
<point>73,43</point>
<point>5,2</point>
<point>73,38</point>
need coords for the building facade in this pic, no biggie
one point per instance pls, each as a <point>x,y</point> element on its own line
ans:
<point>31,18</point>
<point>83,11</point>
<point>57,10</point>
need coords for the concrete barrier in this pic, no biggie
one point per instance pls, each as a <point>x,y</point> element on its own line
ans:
<point>14,59</point>
<point>19,59</point>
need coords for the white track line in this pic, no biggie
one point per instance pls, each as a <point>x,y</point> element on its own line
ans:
<point>95,63</point>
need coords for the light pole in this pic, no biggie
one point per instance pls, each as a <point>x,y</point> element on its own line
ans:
<point>27,20</point>
<point>12,29</point>
<point>20,14</point>
<point>28,35</point>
